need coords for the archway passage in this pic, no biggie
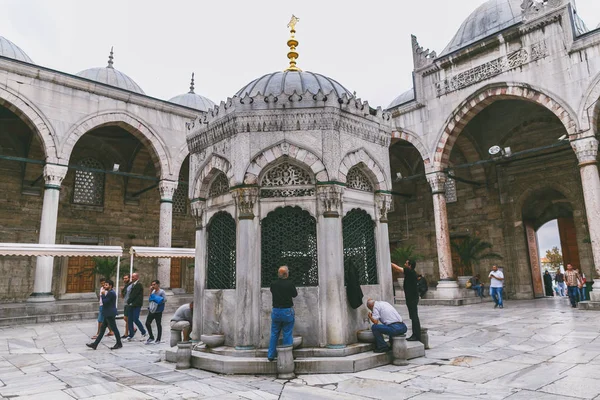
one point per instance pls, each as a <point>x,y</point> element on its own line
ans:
<point>289,237</point>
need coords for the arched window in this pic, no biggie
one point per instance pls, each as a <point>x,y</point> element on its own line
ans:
<point>220,250</point>
<point>89,185</point>
<point>180,196</point>
<point>356,179</point>
<point>287,180</point>
<point>219,185</point>
<point>289,237</point>
<point>359,245</point>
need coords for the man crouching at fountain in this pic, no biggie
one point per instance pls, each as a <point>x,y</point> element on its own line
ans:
<point>386,320</point>
<point>282,316</point>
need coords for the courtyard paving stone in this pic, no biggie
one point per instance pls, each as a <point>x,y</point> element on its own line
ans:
<point>531,350</point>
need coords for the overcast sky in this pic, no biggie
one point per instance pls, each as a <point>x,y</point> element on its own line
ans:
<point>548,237</point>
<point>363,45</point>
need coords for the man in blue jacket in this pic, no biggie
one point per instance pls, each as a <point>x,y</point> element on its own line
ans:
<point>159,298</point>
<point>109,310</point>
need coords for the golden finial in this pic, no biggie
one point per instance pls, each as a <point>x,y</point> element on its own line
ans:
<point>292,44</point>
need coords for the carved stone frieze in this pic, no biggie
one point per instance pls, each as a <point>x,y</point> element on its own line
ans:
<point>54,175</point>
<point>492,68</point>
<point>330,200</point>
<point>245,198</point>
<point>167,190</point>
<point>437,181</point>
<point>198,208</point>
<point>421,58</point>
<point>586,150</point>
<point>534,8</point>
<point>384,205</point>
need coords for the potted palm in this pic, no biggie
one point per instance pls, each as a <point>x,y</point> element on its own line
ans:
<point>471,251</point>
<point>400,254</point>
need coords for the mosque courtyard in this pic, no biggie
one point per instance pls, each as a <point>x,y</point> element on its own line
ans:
<point>537,349</point>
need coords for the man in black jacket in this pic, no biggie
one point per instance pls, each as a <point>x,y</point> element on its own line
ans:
<point>282,315</point>
<point>411,292</point>
<point>109,311</point>
<point>134,306</point>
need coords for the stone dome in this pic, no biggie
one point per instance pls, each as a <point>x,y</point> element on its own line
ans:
<point>288,82</point>
<point>111,76</point>
<point>489,18</point>
<point>10,50</point>
<point>193,100</point>
<point>405,97</point>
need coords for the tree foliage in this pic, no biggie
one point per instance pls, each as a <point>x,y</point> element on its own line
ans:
<point>554,257</point>
<point>106,267</point>
<point>471,251</point>
<point>400,254</point>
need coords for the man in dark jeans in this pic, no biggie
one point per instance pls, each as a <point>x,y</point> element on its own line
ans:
<point>411,293</point>
<point>109,311</point>
<point>134,303</point>
<point>282,315</point>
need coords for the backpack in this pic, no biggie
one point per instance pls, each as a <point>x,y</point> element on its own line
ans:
<point>152,307</point>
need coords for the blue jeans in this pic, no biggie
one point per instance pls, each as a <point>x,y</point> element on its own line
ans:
<point>561,288</point>
<point>134,317</point>
<point>582,294</point>
<point>496,293</point>
<point>282,319</point>
<point>573,293</point>
<point>479,289</point>
<point>395,329</point>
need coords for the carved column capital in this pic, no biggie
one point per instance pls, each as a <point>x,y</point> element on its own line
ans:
<point>437,181</point>
<point>384,205</point>
<point>167,190</point>
<point>54,175</point>
<point>330,200</point>
<point>245,198</point>
<point>586,150</point>
<point>198,209</point>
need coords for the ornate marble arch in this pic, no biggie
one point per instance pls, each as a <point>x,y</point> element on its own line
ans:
<point>212,167</point>
<point>361,159</point>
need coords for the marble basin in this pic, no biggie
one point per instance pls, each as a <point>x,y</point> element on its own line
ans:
<point>297,342</point>
<point>213,340</point>
<point>365,336</point>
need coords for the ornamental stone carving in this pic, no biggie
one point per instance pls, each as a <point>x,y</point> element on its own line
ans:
<point>534,8</point>
<point>330,200</point>
<point>167,190</point>
<point>54,175</point>
<point>437,181</point>
<point>245,198</point>
<point>384,205</point>
<point>198,209</point>
<point>586,150</point>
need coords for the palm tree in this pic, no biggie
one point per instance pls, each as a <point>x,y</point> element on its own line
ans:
<point>400,254</point>
<point>105,268</point>
<point>472,250</point>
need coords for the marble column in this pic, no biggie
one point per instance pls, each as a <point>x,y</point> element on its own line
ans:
<point>586,150</point>
<point>42,285</point>
<point>447,287</point>
<point>383,203</point>
<point>199,211</point>
<point>330,249</point>
<point>247,280</point>
<point>165,229</point>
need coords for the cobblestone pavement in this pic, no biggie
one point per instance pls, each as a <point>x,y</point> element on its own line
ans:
<point>539,349</point>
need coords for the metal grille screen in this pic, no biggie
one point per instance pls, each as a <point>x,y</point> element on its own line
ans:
<point>356,179</point>
<point>89,186</point>
<point>219,186</point>
<point>359,245</point>
<point>289,237</point>
<point>180,196</point>
<point>220,250</point>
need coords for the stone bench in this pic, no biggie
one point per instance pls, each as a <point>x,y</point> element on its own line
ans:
<point>176,337</point>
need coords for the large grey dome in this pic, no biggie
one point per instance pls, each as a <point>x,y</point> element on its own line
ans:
<point>489,18</point>
<point>111,76</point>
<point>288,82</point>
<point>11,50</point>
<point>405,97</point>
<point>193,100</point>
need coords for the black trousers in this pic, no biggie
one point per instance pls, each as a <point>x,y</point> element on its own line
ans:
<point>109,321</point>
<point>413,314</point>
<point>158,318</point>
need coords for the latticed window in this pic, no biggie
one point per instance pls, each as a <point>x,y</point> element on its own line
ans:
<point>287,180</point>
<point>356,179</point>
<point>219,185</point>
<point>451,196</point>
<point>289,237</point>
<point>180,196</point>
<point>89,185</point>
<point>359,245</point>
<point>220,250</point>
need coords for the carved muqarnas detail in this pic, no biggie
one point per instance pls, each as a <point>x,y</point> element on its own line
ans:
<point>356,179</point>
<point>492,68</point>
<point>287,180</point>
<point>219,186</point>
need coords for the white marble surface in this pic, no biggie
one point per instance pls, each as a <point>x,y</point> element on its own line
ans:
<point>538,350</point>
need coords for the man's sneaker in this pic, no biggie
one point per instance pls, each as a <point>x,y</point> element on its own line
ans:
<point>144,337</point>
<point>130,339</point>
<point>495,305</point>
<point>150,341</point>
<point>501,306</point>
<point>158,341</point>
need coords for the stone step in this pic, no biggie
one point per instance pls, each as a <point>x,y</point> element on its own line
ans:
<point>447,302</point>
<point>43,319</point>
<point>351,349</point>
<point>589,305</point>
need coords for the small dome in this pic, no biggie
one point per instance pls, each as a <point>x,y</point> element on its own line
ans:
<point>111,76</point>
<point>288,82</point>
<point>489,18</point>
<point>10,50</point>
<point>405,97</point>
<point>193,100</point>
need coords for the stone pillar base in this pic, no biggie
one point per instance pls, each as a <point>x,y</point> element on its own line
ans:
<point>184,355</point>
<point>399,350</point>
<point>47,297</point>
<point>285,362</point>
<point>447,290</point>
<point>425,338</point>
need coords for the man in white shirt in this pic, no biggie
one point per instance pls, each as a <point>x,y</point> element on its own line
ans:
<point>386,320</point>
<point>496,282</point>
